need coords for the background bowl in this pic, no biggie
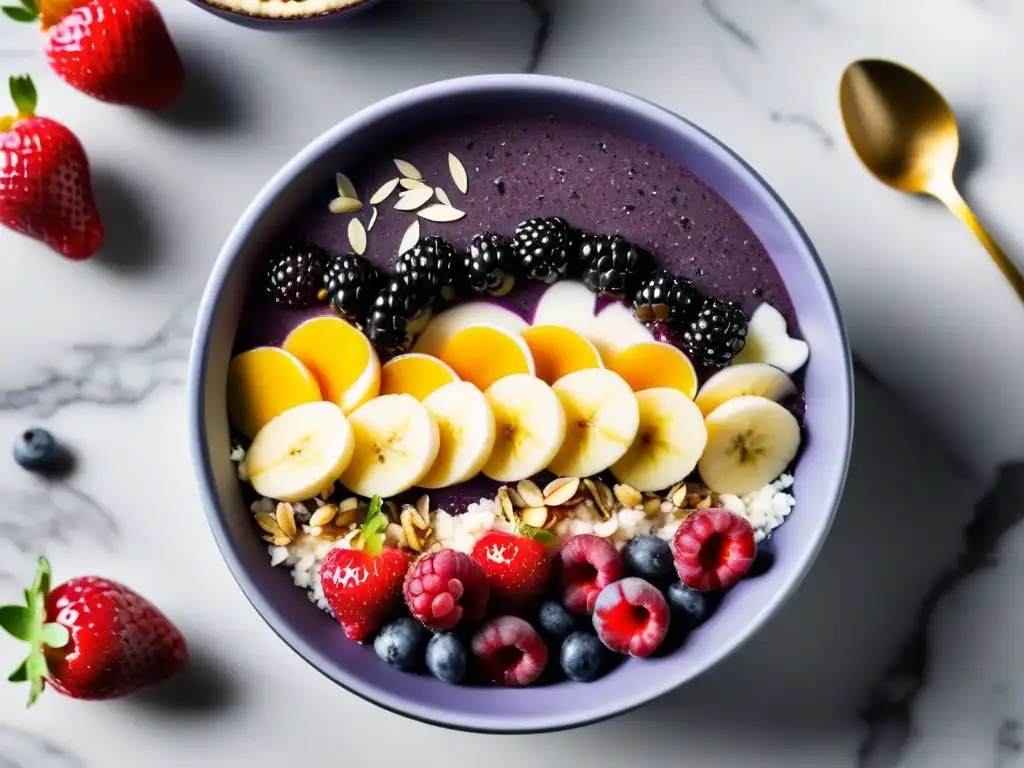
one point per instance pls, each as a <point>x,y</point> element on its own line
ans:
<point>819,475</point>
<point>312,18</point>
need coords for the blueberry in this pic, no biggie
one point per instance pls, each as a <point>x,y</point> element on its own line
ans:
<point>36,450</point>
<point>583,657</point>
<point>763,561</point>
<point>447,658</point>
<point>689,607</point>
<point>401,644</point>
<point>650,558</point>
<point>554,620</point>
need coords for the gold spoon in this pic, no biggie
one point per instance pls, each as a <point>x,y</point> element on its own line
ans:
<point>905,133</point>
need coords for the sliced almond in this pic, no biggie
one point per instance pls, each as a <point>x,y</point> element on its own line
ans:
<point>414,198</point>
<point>458,171</point>
<point>345,186</point>
<point>678,496</point>
<point>441,213</point>
<point>535,516</point>
<point>409,527</point>
<point>441,195</point>
<point>412,184</point>
<point>286,519</point>
<point>606,528</point>
<point>423,511</point>
<point>515,498</point>
<point>652,507</point>
<point>352,502</point>
<point>344,205</point>
<point>373,219</point>
<point>268,523</point>
<point>627,495</point>
<point>531,493</point>
<point>560,490</point>
<point>407,169</point>
<point>410,238</point>
<point>346,517</point>
<point>384,192</point>
<point>394,536</point>
<point>602,495</point>
<point>324,515</point>
<point>704,503</point>
<point>506,504</point>
<point>357,236</point>
<point>391,510</point>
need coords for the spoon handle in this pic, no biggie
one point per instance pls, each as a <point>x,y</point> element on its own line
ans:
<point>951,198</point>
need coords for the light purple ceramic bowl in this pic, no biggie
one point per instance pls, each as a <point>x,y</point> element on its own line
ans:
<point>819,475</point>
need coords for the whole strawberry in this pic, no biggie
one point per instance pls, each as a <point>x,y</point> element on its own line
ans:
<point>363,585</point>
<point>517,566</point>
<point>91,638</point>
<point>118,51</point>
<point>45,188</point>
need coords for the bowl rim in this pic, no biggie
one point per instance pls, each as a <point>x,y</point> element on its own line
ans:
<point>220,7</point>
<point>214,293</point>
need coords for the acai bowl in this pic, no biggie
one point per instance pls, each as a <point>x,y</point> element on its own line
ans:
<point>585,248</point>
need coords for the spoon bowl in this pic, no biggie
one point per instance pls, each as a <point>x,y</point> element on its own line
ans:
<point>905,133</point>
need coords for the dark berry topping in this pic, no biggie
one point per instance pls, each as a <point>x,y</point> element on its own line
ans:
<point>665,298</point>
<point>37,451</point>
<point>399,312</point>
<point>352,283</point>
<point>613,265</point>
<point>546,248</point>
<point>490,264</point>
<point>716,334</point>
<point>296,275</point>
<point>432,261</point>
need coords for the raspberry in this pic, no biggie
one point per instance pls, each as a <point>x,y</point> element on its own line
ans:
<point>713,549</point>
<point>589,564</point>
<point>510,651</point>
<point>445,588</point>
<point>631,616</point>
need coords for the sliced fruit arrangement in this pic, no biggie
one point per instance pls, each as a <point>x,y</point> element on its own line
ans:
<point>340,357</point>
<point>530,427</point>
<point>484,354</point>
<point>396,443</point>
<point>768,341</point>
<point>265,382</point>
<point>466,430</point>
<point>759,379</point>
<point>558,351</point>
<point>415,374</point>
<point>652,364</point>
<point>301,453</point>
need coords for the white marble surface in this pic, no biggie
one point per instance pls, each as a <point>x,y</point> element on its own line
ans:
<point>900,650</point>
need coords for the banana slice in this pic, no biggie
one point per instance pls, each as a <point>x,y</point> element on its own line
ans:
<point>602,418</point>
<point>668,444</point>
<point>529,424</point>
<point>735,381</point>
<point>751,440</point>
<point>465,423</point>
<point>301,452</point>
<point>396,443</point>
<point>768,341</point>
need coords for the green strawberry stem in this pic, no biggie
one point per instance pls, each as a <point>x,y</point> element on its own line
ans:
<point>372,531</point>
<point>23,93</point>
<point>28,623</point>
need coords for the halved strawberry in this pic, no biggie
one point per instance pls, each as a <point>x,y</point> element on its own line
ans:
<point>713,549</point>
<point>363,585</point>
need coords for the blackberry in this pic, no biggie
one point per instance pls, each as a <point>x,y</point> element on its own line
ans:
<point>434,261</point>
<point>546,248</point>
<point>490,264</point>
<point>665,298</point>
<point>351,283</point>
<point>716,334</point>
<point>399,312</point>
<point>296,275</point>
<point>613,265</point>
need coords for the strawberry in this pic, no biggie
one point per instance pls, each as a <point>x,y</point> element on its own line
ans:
<point>118,51</point>
<point>363,585</point>
<point>45,188</point>
<point>91,638</point>
<point>517,566</point>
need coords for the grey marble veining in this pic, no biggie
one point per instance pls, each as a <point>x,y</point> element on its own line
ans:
<point>22,749</point>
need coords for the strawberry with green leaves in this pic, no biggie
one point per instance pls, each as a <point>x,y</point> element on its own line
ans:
<point>362,586</point>
<point>517,565</point>
<point>91,638</point>
<point>45,187</point>
<point>118,51</point>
